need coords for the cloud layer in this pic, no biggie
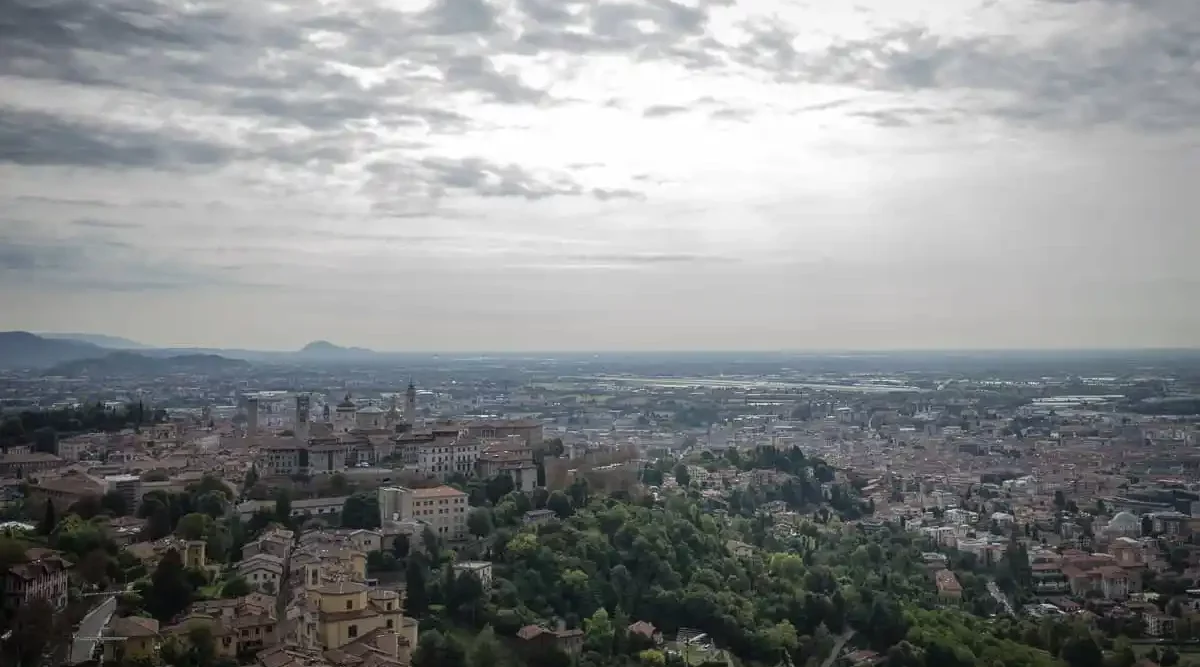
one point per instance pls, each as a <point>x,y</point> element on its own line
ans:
<point>612,174</point>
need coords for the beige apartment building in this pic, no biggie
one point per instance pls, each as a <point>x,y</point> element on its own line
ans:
<point>443,508</point>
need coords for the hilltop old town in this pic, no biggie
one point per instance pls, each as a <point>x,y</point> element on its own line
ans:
<point>210,512</point>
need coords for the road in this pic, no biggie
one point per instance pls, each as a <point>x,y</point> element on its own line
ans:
<point>837,648</point>
<point>1001,598</point>
<point>82,648</point>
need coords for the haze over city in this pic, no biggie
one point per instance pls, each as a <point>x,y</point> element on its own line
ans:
<point>552,174</point>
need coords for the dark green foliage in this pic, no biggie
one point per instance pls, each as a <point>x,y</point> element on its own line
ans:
<point>361,510</point>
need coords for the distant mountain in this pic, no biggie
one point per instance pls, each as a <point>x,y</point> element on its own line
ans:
<point>21,349</point>
<point>99,340</point>
<point>324,350</point>
<point>125,364</point>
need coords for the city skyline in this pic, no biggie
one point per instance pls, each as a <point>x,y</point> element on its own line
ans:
<point>648,175</point>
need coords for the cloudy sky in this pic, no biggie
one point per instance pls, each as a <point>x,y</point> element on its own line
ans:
<point>603,174</point>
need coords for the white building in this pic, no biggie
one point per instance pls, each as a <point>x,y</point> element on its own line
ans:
<point>481,570</point>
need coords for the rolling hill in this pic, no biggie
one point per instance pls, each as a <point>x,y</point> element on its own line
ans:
<point>23,350</point>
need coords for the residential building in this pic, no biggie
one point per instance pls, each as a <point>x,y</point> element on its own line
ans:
<point>140,637</point>
<point>239,626</point>
<point>443,508</point>
<point>128,486</point>
<point>536,638</point>
<point>510,457</point>
<point>285,457</point>
<point>538,516</point>
<point>23,464</point>
<point>43,576</point>
<point>529,430</point>
<point>947,584</point>
<point>481,570</point>
<point>315,507</point>
<point>262,571</point>
<point>66,490</point>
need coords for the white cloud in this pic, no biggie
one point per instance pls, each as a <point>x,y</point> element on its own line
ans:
<point>644,173</point>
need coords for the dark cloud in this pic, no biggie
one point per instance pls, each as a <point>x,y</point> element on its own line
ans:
<point>39,139</point>
<point>96,223</point>
<point>642,259</point>
<point>496,180</point>
<point>663,110</point>
<point>100,264</point>
<point>1148,79</point>
<point>450,17</point>
<point>29,258</point>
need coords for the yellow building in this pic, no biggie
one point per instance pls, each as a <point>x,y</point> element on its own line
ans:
<point>243,625</point>
<point>194,554</point>
<point>349,610</point>
<point>140,635</point>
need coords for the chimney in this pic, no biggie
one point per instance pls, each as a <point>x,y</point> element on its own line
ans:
<point>389,643</point>
<point>560,626</point>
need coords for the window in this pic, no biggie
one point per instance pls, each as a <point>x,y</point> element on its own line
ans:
<point>352,631</point>
<point>390,624</point>
<point>350,605</point>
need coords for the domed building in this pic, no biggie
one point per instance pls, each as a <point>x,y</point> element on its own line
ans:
<point>1123,524</point>
<point>370,417</point>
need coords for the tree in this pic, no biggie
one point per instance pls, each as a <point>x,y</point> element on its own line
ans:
<point>682,478</point>
<point>169,592</point>
<point>1170,657</point>
<point>1082,651</point>
<point>540,496</point>
<point>235,588</point>
<point>485,650</point>
<point>499,486</point>
<point>93,568</point>
<point>338,484</point>
<point>1123,653</point>
<point>599,632</point>
<point>437,650</point>
<point>560,504</point>
<point>400,546</point>
<point>251,478</point>
<point>114,503</point>
<point>49,520</point>
<point>32,630</point>
<point>283,507</point>
<point>415,575</point>
<point>361,510</point>
<point>479,522</point>
<point>213,503</point>
<point>652,658</point>
<point>86,507</point>
<point>195,526</point>
<point>158,522</point>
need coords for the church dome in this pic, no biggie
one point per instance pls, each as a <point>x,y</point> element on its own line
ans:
<point>1124,521</point>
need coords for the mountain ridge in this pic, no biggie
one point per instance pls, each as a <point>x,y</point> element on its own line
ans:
<point>100,340</point>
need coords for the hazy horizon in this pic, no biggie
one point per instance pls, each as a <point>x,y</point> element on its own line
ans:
<point>151,345</point>
<point>637,175</point>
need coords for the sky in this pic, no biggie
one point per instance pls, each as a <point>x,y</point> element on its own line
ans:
<point>603,174</point>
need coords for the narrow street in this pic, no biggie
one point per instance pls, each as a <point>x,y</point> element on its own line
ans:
<point>1001,598</point>
<point>837,648</point>
<point>84,643</point>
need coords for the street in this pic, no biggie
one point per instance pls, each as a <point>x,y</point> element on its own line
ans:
<point>84,643</point>
<point>1001,598</point>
